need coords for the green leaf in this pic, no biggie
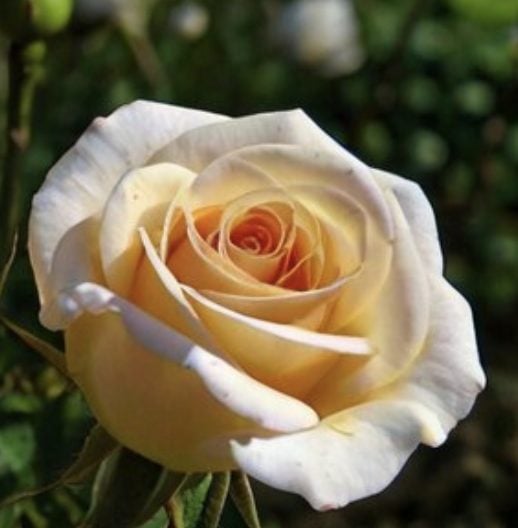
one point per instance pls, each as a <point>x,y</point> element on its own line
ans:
<point>216,499</point>
<point>49,352</point>
<point>160,520</point>
<point>496,12</point>
<point>17,446</point>
<point>243,497</point>
<point>98,445</point>
<point>129,490</point>
<point>187,504</point>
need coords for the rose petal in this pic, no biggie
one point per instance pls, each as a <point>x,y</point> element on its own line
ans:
<point>396,324</point>
<point>447,375</point>
<point>225,180</point>
<point>287,308</point>
<point>282,356</point>
<point>419,215</point>
<point>198,148</point>
<point>140,199</point>
<point>77,186</point>
<point>141,398</point>
<point>351,455</point>
<point>234,389</point>
<point>159,294</point>
<point>76,260</point>
<point>294,165</point>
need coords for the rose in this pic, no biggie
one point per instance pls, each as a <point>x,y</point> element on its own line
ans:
<point>246,293</point>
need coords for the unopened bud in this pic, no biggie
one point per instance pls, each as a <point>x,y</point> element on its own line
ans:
<point>25,19</point>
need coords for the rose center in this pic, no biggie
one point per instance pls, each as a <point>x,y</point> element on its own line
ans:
<point>254,235</point>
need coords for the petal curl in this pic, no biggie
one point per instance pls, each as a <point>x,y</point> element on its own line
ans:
<point>232,388</point>
<point>141,398</point>
<point>419,215</point>
<point>140,199</point>
<point>79,183</point>
<point>294,165</point>
<point>76,260</point>
<point>285,357</point>
<point>351,455</point>
<point>396,323</point>
<point>198,148</point>
<point>447,376</point>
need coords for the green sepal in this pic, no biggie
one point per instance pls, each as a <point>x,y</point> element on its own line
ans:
<point>186,506</point>
<point>243,497</point>
<point>216,498</point>
<point>46,350</point>
<point>129,490</point>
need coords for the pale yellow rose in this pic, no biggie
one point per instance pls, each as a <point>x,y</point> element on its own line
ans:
<point>244,293</point>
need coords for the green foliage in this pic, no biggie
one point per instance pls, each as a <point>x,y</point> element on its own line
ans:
<point>496,12</point>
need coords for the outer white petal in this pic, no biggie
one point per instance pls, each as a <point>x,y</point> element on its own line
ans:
<point>79,183</point>
<point>234,389</point>
<point>351,455</point>
<point>197,148</point>
<point>447,375</point>
<point>419,215</point>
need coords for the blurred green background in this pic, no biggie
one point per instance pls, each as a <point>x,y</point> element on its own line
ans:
<point>425,89</point>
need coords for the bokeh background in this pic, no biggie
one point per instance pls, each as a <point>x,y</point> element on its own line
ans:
<point>425,89</point>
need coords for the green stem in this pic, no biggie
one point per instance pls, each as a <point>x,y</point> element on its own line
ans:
<point>25,69</point>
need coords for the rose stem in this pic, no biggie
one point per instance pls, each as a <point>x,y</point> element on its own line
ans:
<point>24,70</point>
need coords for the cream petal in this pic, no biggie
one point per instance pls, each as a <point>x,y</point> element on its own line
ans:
<point>419,214</point>
<point>198,148</point>
<point>344,222</point>
<point>140,199</point>
<point>395,323</point>
<point>79,183</point>
<point>195,262</point>
<point>447,376</point>
<point>262,269</point>
<point>351,455</point>
<point>295,165</point>
<point>355,246</point>
<point>140,398</point>
<point>76,260</point>
<point>285,357</point>
<point>285,308</point>
<point>227,179</point>
<point>235,390</point>
<point>158,293</point>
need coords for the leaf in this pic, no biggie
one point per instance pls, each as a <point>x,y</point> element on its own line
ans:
<point>243,497</point>
<point>216,499</point>
<point>98,445</point>
<point>187,503</point>
<point>129,490</point>
<point>160,520</point>
<point>17,446</point>
<point>49,352</point>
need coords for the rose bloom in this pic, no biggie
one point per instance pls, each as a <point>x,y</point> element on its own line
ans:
<point>245,293</point>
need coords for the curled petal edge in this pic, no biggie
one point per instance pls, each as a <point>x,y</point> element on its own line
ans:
<point>233,388</point>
